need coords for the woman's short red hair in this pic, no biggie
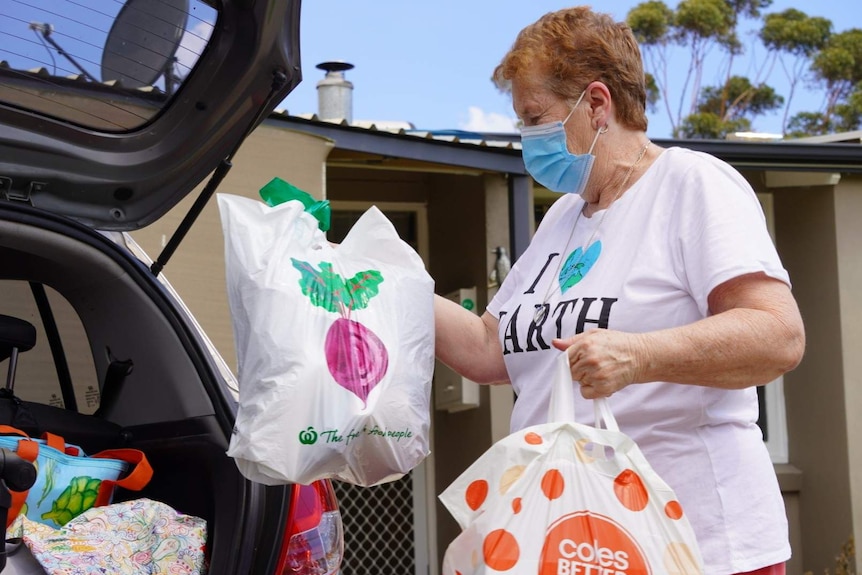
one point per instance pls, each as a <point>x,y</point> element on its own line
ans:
<point>576,46</point>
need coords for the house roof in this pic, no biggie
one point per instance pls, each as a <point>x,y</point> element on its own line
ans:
<point>502,153</point>
<point>385,143</point>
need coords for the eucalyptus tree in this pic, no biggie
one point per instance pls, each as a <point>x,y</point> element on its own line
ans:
<point>837,68</point>
<point>728,108</point>
<point>700,28</point>
<point>793,38</point>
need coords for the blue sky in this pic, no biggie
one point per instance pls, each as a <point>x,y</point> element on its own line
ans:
<point>429,63</point>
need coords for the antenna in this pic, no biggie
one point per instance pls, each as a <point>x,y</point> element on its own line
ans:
<point>46,30</point>
<point>142,43</point>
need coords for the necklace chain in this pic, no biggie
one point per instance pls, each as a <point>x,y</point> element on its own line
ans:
<point>541,309</point>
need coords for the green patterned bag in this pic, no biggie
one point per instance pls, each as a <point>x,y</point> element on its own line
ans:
<point>68,482</point>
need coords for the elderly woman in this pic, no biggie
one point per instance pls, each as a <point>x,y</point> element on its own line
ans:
<point>655,274</point>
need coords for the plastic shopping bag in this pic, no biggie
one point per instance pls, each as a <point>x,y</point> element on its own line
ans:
<point>335,346</point>
<point>564,498</point>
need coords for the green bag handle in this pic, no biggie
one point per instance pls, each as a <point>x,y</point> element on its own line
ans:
<point>277,191</point>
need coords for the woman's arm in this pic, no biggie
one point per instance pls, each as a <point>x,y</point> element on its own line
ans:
<point>753,335</point>
<point>468,343</point>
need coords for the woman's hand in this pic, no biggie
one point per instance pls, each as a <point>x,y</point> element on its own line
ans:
<point>603,361</point>
<point>754,335</point>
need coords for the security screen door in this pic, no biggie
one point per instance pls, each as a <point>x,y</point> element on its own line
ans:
<point>388,529</point>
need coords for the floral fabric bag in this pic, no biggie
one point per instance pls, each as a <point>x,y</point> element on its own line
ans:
<point>335,346</point>
<point>68,481</point>
<point>136,537</point>
<point>566,498</point>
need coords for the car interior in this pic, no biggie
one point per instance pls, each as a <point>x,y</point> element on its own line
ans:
<point>108,318</point>
<point>112,112</point>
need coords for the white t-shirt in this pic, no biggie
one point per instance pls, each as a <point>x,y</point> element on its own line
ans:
<point>688,224</point>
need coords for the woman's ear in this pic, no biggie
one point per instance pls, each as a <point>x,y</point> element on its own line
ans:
<point>598,98</point>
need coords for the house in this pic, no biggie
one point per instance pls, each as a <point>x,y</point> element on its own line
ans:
<point>455,197</point>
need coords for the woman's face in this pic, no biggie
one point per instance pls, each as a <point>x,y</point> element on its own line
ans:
<point>535,104</point>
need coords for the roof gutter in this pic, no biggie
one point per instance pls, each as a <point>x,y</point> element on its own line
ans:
<point>791,156</point>
<point>782,155</point>
<point>410,147</point>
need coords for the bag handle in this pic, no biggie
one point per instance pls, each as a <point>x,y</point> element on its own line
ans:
<point>562,406</point>
<point>26,449</point>
<point>604,414</point>
<point>135,480</point>
<point>9,430</point>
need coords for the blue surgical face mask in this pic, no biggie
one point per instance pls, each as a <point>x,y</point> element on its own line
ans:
<point>548,160</point>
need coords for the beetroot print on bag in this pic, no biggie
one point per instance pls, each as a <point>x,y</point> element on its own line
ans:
<point>355,356</point>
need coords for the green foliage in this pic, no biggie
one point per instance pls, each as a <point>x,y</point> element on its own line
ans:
<point>804,48</point>
<point>702,20</point>
<point>749,8</point>
<point>847,117</point>
<point>707,125</point>
<point>808,124</point>
<point>697,27</point>
<point>653,94</point>
<point>846,48</point>
<point>738,98</point>
<point>793,38</point>
<point>795,33</point>
<point>838,68</point>
<point>651,22</point>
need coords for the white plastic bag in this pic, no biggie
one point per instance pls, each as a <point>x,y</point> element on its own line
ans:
<point>564,498</point>
<point>335,346</point>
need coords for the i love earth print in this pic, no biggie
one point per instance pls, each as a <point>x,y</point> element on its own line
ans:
<point>578,264</point>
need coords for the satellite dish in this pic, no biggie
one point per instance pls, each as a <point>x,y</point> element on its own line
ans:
<point>142,43</point>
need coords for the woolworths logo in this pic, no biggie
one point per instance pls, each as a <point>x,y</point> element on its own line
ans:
<point>308,436</point>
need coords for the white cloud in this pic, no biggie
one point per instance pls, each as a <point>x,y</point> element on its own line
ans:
<point>481,121</point>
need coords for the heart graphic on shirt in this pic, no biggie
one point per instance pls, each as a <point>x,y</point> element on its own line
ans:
<point>578,264</point>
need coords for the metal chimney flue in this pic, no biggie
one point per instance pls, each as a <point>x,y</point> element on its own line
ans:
<point>335,93</point>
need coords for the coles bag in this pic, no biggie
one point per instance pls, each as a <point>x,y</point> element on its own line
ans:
<point>334,343</point>
<point>68,482</point>
<point>566,498</point>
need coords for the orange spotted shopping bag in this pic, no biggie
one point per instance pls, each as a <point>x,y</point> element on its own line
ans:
<point>565,498</point>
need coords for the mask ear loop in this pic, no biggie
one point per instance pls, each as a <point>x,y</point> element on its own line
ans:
<point>572,111</point>
<point>599,132</point>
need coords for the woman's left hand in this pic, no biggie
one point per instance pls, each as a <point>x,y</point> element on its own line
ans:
<point>754,333</point>
<point>603,361</point>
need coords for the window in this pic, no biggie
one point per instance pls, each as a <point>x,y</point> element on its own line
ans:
<point>112,48</point>
<point>773,417</point>
<point>37,376</point>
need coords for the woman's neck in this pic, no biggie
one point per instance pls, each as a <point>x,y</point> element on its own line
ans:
<point>611,179</point>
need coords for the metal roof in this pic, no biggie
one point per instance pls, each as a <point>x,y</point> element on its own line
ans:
<point>492,154</point>
<point>502,152</point>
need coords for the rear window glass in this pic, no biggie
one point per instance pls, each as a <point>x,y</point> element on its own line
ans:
<point>107,64</point>
<point>35,377</point>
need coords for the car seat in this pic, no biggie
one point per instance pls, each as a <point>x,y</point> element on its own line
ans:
<point>16,336</point>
